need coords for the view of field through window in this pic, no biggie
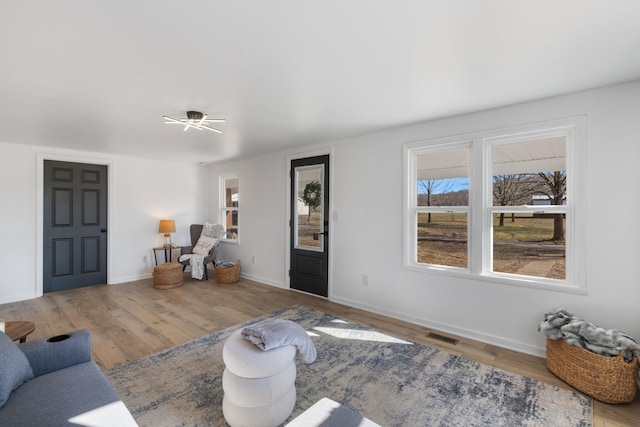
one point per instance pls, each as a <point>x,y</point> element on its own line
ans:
<point>528,230</point>
<point>308,212</point>
<point>522,240</point>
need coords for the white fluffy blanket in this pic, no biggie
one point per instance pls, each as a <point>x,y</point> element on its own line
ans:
<point>197,264</point>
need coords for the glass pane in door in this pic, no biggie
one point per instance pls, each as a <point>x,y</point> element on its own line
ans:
<point>309,217</point>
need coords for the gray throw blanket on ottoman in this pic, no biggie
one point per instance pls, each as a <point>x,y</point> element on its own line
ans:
<point>276,333</point>
<point>578,332</point>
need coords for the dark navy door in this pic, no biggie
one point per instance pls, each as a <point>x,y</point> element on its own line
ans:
<point>75,225</point>
<point>310,225</point>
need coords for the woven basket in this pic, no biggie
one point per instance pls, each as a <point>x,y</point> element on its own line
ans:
<point>228,274</point>
<point>607,379</point>
<point>167,276</point>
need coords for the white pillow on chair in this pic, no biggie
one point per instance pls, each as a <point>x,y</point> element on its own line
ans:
<point>213,230</point>
<point>204,245</point>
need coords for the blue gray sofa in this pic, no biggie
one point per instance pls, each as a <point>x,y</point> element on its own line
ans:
<point>53,382</point>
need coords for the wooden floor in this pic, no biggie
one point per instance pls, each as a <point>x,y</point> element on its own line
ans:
<point>134,319</point>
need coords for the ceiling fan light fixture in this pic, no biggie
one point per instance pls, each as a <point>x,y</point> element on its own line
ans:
<point>195,120</point>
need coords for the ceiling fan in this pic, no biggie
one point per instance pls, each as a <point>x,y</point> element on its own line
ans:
<point>195,120</point>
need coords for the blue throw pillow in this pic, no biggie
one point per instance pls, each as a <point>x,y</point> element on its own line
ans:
<point>14,368</point>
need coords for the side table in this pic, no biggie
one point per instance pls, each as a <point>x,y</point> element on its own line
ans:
<point>19,329</point>
<point>167,252</point>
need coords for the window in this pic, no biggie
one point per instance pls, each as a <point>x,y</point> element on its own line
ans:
<point>442,206</point>
<point>501,205</point>
<point>229,205</point>
<point>529,206</point>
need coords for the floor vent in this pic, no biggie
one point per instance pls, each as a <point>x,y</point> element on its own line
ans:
<point>442,338</point>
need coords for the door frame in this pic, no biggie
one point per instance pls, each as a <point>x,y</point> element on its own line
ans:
<point>40,159</point>
<point>287,228</point>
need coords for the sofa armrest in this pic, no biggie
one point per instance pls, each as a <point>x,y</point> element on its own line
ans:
<point>186,250</point>
<point>51,354</point>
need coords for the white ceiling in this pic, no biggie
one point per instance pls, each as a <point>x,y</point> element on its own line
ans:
<point>99,75</point>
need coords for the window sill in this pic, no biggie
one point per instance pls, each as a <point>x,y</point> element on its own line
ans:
<point>500,279</point>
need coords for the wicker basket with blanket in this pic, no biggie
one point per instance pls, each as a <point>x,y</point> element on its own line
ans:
<point>605,378</point>
<point>601,363</point>
<point>227,272</point>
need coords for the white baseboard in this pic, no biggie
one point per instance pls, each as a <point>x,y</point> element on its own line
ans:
<point>443,327</point>
<point>6,299</point>
<point>262,280</point>
<point>133,278</point>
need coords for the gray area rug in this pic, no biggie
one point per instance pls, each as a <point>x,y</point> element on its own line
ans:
<point>390,381</point>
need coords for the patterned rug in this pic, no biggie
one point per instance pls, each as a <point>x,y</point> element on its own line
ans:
<point>390,381</point>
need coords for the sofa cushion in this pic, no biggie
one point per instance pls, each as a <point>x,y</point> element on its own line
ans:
<point>79,392</point>
<point>14,369</point>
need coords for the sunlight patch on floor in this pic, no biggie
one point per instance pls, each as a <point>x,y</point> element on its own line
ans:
<point>355,334</point>
<point>112,414</point>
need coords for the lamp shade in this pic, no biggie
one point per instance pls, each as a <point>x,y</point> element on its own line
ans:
<point>167,226</point>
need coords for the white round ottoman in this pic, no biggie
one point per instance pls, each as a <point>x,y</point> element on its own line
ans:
<point>259,416</point>
<point>249,392</point>
<point>246,360</point>
<point>259,386</point>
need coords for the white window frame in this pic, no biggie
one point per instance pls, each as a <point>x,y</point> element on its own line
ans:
<point>415,209</point>
<point>481,209</point>
<point>224,209</point>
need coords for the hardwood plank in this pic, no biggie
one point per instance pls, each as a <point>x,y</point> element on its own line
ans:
<point>131,320</point>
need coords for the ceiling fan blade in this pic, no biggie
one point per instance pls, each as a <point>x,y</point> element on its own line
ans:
<point>171,120</point>
<point>194,124</point>
<point>210,128</point>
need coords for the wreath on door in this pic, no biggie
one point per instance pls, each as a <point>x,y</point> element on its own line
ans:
<point>312,196</point>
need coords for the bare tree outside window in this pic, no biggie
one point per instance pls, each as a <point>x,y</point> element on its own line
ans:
<point>427,188</point>
<point>526,174</point>
<point>555,187</point>
<point>512,190</point>
<point>442,230</point>
<point>499,204</point>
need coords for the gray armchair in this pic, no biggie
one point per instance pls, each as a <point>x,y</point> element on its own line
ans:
<point>196,230</point>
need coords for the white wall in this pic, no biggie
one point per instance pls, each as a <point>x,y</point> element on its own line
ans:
<point>141,192</point>
<point>261,213</point>
<point>366,238</point>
